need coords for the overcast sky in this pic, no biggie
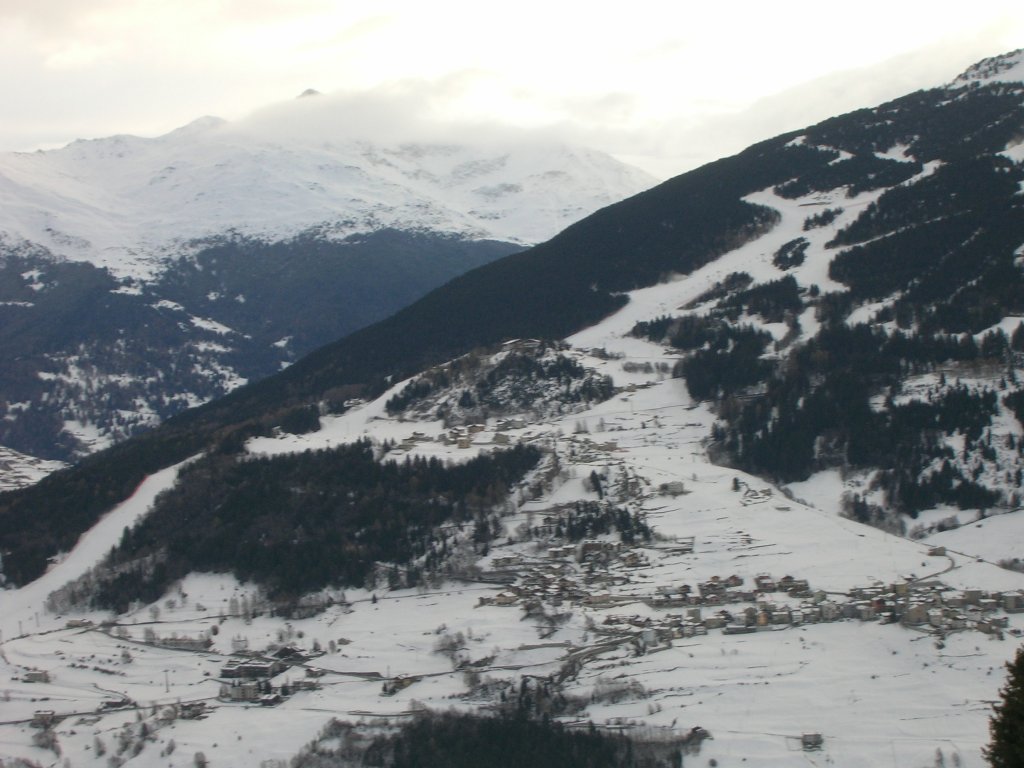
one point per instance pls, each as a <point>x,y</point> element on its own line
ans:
<point>665,84</point>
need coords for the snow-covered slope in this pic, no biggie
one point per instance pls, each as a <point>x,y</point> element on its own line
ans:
<point>617,636</point>
<point>1006,68</point>
<point>127,203</point>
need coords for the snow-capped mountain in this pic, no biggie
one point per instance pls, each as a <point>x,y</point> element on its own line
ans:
<point>129,204</point>
<point>739,457</point>
<point>140,276</point>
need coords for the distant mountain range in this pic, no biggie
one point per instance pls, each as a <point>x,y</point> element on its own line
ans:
<point>142,276</point>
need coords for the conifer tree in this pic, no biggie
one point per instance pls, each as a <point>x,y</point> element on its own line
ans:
<point>1006,726</point>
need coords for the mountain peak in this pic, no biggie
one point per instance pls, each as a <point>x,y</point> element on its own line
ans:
<point>199,125</point>
<point>309,92</point>
<point>1006,68</point>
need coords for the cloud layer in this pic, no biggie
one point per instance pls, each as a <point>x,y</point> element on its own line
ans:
<point>670,85</point>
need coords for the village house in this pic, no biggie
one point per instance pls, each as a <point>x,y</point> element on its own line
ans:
<point>1013,602</point>
<point>252,668</point>
<point>811,741</point>
<point>673,488</point>
<point>192,710</point>
<point>915,614</point>
<point>44,718</point>
<point>183,643</point>
<point>238,690</point>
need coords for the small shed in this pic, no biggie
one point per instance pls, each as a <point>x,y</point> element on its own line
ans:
<point>812,741</point>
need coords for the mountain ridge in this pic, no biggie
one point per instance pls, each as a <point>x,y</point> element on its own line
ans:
<point>230,251</point>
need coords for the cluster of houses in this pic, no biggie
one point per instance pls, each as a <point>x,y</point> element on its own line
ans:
<point>247,678</point>
<point>463,436</point>
<point>927,605</point>
<point>556,581</point>
<point>181,642</point>
<point>737,605</point>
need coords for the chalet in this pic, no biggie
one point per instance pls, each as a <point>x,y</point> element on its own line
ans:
<point>396,684</point>
<point>988,605</point>
<point>307,606</point>
<point>693,628</point>
<point>830,611</point>
<point>780,616</point>
<point>506,561</point>
<point>915,614</point>
<point>673,488</point>
<point>248,690</point>
<point>252,668</point>
<point>596,549</point>
<point>866,611</point>
<point>43,718</point>
<point>811,741</point>
<point>810,613</point>
<point>36,676</point>
<point>184,643</point>
<point>192,710</point>
<point>505,599</point>
<point>715,621</point>
<point>506,424</point>
<point>799,588</point>
<point>992,625</point>
<point>634,560</point>
<point>955,600</point>
<point>288,653</point>
<point>738,629</point>
<point>1013,602</point>
<point>600,600</point>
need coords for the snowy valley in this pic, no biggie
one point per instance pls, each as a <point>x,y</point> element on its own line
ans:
<point>760,504</point>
